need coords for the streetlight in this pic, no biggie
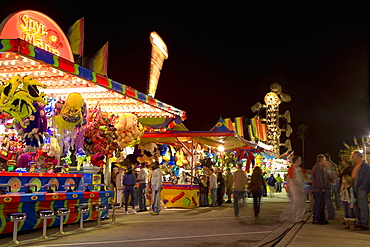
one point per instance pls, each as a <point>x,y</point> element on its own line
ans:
<point>365,141</point>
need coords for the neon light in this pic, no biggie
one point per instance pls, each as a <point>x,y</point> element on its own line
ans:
<point>159,53</point>
<point>35,33</point>
<point>157,41</point>
<point>37,29</point>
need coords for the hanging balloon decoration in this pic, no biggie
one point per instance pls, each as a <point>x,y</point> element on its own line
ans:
<point>71,115</point>
<point>17,97</point>
<point>99,136</point>
<point>129,130</point>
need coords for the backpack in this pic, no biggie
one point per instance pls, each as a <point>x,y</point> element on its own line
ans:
<point>271,181</point>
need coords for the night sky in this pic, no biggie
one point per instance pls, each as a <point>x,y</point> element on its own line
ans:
<point>224,56</point>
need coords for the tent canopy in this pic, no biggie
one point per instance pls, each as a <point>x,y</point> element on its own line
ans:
<point>229,139</point>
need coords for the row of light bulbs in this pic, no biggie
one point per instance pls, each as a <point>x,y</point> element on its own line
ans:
<point>54,78</point>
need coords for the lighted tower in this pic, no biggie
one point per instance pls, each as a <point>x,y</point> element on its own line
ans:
<point>272,101</point>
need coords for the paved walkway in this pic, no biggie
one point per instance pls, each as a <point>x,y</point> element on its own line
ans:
<point>306,234</point>
<point>202,226</point>
<point>331,235</point>
<point>286,234</point>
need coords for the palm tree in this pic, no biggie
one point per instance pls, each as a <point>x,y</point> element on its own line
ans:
<point>301,134</point>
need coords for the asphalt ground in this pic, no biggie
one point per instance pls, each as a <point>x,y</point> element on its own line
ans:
<point>203,226</point>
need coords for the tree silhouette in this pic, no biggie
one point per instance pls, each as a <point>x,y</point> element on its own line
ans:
<point>301,134</point>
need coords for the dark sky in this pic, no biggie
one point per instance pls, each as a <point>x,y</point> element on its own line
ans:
<point>224,56</point>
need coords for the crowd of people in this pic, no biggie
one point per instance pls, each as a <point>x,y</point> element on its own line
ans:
<point>130,186</point>
<point>326,183</point>
<point>215,187</point>
<point>350,186</point>
<point>219,185</point>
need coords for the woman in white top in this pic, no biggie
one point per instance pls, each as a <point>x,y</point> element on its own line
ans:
<point>120,187</point>
<point>156,184</point>
<point>296,188</point>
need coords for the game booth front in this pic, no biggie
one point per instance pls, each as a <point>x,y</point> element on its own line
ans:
<point>61,124</point>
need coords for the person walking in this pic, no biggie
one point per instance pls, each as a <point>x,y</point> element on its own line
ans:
<point>279,181</point>
<point>257,186</point>
<point>142,179</point>
<point>240,180</point>
<point>307,187</point>
<point>361,176</point>
<point>213,187</point>
<point>156,185</point>
<point>271,184</point>
<point>330,177</point>
<point>296,188</point>
<point>264,192</point>
<point>348,201</point>
<point>318,190</point>
<point>129,181</point>
<point>335,185</point>
<point>229,184</point>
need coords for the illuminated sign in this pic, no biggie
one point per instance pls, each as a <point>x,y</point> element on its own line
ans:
<point>159,53</point>
<point>37,29</point>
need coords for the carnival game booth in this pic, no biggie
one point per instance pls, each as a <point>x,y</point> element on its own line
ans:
<point>44,89</point>
<point>187,195</point>
<point>32,192</point>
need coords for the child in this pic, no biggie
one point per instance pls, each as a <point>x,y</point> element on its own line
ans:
<point>348,200</point>
<point>203,189</point>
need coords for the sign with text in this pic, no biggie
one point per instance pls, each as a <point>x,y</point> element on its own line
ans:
<point>37,29</point>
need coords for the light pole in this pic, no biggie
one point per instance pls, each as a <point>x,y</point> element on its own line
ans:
<point>365,141</point>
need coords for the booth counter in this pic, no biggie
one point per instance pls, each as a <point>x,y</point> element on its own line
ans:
<point>180,195</point>
<point>30,203</point>
<point>18,180</point>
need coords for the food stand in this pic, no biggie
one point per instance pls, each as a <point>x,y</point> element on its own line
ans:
<point>43,55</point>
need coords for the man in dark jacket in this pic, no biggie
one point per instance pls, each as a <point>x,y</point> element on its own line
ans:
<point>271,181</point>
<point>361,176</point>
<point>318,190</point>
<point>221,186</point>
